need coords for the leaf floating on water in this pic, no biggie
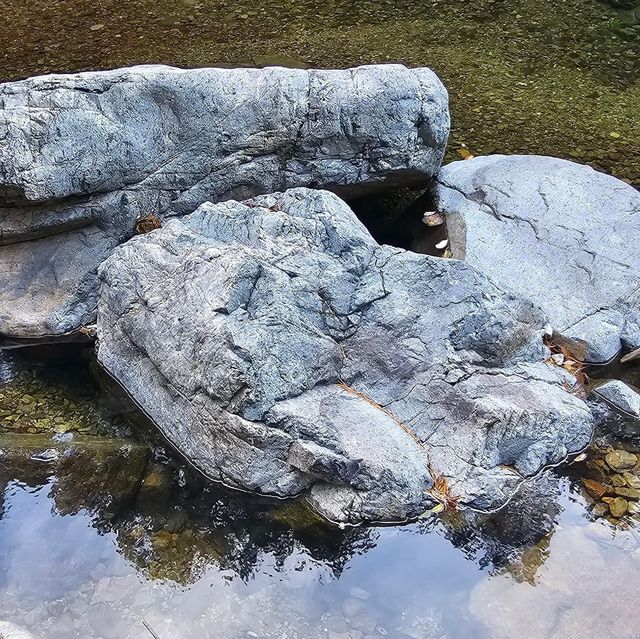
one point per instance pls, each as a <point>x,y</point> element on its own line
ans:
<point>581,457</point>
<point>438,508</point>
<point>442,245</point>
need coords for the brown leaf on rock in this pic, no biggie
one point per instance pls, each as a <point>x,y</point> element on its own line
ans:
<point>573,355</point>
<point>441,491</point>
<point>148,223</point>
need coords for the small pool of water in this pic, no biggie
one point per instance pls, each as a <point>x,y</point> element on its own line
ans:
<point>104,534</point>
<point>73,574</point>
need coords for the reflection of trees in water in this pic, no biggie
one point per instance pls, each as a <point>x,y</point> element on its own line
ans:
<point>237,532</point>
<point>515,539</point>
<point>85,473</point>
<point>172,524</point>
<point>169,527</point>
<point>206,525</point>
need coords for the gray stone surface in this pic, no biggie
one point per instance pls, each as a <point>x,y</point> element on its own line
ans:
<point>553,232</point>
<point>10,630</point>
<point>84,156</point>
<point>282,350</point>
<point>620,396</point>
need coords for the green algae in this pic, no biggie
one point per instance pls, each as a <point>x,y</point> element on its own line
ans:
<point>525,76</point>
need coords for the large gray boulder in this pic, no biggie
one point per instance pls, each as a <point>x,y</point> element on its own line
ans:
<point>553,232</point>
<point>281,349</point>
<point>84,156</point>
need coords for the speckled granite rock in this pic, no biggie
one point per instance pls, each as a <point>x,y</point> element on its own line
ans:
<point>84,156</point>
<point>294,354</point>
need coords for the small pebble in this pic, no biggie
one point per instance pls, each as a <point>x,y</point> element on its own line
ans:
<point>433,219</point>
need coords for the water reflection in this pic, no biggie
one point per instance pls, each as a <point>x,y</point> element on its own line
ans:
<point>79,560</point>
<point>101,534</point>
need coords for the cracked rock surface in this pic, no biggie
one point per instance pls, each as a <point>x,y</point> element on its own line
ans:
<point>282,350</point>
<point>83,157</point>
<point>553,232</point>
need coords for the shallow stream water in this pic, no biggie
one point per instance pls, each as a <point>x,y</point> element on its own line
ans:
<point>103,533</point>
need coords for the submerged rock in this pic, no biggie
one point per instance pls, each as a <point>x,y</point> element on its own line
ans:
<point>553,232</point>
<point>620,460</point>
<point>85,157</point>
<point>294,354</point>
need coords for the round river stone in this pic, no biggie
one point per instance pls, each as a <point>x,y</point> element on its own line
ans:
<point>620,460</point>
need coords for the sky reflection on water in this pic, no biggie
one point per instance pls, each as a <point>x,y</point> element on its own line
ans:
<point>78,575</point>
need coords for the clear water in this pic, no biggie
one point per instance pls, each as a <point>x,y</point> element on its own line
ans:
<point>85,552</point>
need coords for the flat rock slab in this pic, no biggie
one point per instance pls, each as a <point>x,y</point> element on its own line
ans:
<point>621,396</point>
<point>282,350</point>
<point>553,232</point>
<point>84,157</point>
